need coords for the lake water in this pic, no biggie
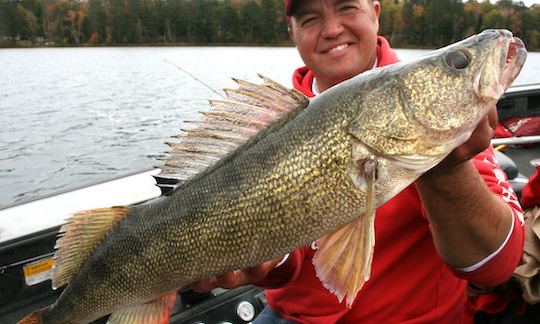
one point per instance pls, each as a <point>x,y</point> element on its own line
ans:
<point>76,116</point>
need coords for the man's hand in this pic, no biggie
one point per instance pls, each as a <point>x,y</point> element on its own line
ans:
<point>461,209</point>
<point>480,140</point>
<point>236,278</point>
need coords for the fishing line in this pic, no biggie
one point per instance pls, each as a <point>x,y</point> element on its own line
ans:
<point>196,79</point>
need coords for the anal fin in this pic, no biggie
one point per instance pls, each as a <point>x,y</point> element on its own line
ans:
<point>343,260</point>
<point>157,311</point>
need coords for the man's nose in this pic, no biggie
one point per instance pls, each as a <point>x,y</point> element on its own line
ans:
<point>331,27</point>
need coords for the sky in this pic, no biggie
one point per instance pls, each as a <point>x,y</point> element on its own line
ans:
<point>530,2</point>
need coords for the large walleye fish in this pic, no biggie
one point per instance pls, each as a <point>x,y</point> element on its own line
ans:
<point>267,171</point>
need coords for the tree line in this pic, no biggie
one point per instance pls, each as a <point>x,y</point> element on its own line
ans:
<point>406,23</point>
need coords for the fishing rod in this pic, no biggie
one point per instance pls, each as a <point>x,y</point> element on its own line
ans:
<point>196,79</point>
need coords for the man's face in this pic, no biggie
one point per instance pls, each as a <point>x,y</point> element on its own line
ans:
<point>337,39</point>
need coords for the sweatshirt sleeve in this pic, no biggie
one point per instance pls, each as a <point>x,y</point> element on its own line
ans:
<point>497,267</point>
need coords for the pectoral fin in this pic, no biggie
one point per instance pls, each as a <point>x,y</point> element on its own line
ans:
<point>343,260</point>
<point>157,311</point>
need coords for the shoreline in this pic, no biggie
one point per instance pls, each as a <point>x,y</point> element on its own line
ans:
<point>25,44</point>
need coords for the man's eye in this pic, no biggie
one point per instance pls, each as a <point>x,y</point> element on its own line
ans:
<point>347,8</point>
<point>308,21</point>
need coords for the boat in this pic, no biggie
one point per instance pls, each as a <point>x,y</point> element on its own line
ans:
<point>27,244</point>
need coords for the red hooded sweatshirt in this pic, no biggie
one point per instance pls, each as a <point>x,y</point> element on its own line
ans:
<point>409,283</point>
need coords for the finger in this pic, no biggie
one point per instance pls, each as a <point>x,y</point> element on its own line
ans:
<point>258,273</point>
<point>184,289</point>
<point>204,285</point>
<point>484,133</point>
<point>493,117</point>
<point>230,280</point>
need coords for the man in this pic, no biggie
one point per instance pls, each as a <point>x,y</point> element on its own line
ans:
<point>460,221</point>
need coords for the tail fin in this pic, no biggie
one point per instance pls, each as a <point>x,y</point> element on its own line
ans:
<point>34,318</point>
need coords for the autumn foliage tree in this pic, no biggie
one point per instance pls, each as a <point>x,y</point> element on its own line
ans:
<point>406,23</point>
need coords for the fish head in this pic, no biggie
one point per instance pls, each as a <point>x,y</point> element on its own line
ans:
<point>416,112</point>
<point>452,89</point>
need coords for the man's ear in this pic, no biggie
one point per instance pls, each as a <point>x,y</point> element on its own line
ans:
<point>377,10</point>
<point>290,31</point>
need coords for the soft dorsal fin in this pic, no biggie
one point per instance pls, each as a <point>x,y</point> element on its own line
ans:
<point>230,123</point>
<point>78,238</point>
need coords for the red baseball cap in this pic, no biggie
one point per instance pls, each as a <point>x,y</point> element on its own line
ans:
<point>288,8</point>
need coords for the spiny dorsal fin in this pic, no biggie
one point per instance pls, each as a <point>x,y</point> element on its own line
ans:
<point>231,122</point>
<point>78,238</point>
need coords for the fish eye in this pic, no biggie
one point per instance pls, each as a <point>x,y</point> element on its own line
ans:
<point>457,59</point>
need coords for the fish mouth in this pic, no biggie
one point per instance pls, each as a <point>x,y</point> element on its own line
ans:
<point>514,61</point>
<point>511,53</point>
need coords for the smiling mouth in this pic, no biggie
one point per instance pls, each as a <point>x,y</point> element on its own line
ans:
<point>338,48</point>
